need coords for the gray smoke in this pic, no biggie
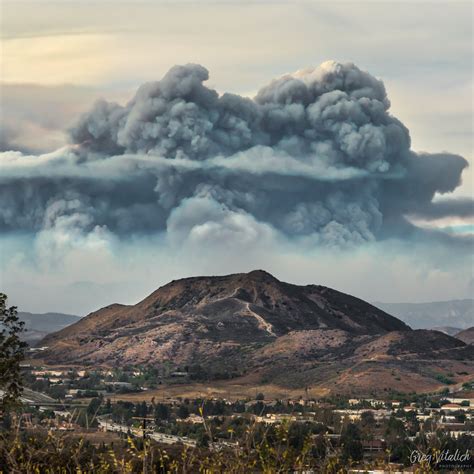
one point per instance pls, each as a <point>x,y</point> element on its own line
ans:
<point>315,155</point>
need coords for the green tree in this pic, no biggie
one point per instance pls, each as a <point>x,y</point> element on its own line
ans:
<point>94,405</point>
<point>58,392</point>
<point>367,424</point>
<point>397,441</point>
<point>12,352</point>
<point>351,444</point>
<point>141,409</point>
<point>183,412</point>
<point>162,412</point>
<point>203,439</point>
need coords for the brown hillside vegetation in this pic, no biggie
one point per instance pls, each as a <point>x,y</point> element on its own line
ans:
<point>467,335</point>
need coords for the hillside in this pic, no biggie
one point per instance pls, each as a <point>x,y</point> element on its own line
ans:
<point>457,313</point>
<point>255,327</point>
<point>466,336</point>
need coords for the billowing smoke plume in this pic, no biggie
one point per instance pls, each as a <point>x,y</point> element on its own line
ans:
<point>315,155</point>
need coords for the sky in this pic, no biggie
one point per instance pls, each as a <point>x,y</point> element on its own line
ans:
<point>98,208</point>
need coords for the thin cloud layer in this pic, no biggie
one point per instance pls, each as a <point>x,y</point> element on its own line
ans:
<point>315,157</point>
<point>33,118</point>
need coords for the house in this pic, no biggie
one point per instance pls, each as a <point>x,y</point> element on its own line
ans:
<point>355,415</point>
<point>454,407</point>
<point>274,418</point>
<point>375,445</point>
<point>179,374</point>
<point>462,401</point>
<point>456,434</point>
<point>119,384</point>
<point>48,373</point>
<point>194,419</point>
<point>354,401</point>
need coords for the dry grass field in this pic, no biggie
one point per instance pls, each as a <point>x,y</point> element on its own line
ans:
<point>229,390</point>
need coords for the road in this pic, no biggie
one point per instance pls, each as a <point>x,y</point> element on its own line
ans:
<point>108,425</point>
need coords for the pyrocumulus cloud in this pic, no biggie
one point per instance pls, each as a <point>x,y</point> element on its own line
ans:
<point>316,156</point>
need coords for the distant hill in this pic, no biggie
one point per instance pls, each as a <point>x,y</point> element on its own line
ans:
<point>39,325</point>
<point>466,336</point>
<point>449,330</point>
<point>453,313</point>
<point>257,329</point>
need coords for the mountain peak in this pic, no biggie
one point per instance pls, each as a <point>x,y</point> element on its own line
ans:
<point>237,308</point>
<point>260,274</point>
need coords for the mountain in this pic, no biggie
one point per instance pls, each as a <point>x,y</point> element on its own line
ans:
<point>259,329</point>
<point>449,330</point>
<point>457,313</point>
<point>466,336</point>
<point>39,325</point>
